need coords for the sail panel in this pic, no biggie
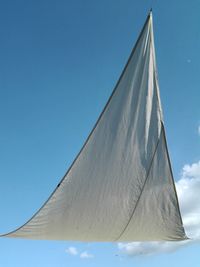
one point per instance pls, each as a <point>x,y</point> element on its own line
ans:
<point>110,191</point>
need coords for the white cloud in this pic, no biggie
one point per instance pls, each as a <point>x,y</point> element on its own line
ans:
<point>191,171</point>
<point>188,190</point>
<point>72,251</point>
<point>86,255</point>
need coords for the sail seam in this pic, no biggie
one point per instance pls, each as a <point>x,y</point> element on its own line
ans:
<point>142,190</point>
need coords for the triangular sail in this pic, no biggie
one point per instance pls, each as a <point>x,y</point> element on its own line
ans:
<point>120,186</point>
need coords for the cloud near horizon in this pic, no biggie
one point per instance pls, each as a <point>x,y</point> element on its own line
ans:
<point>86,255</point>
<point>188,190</point>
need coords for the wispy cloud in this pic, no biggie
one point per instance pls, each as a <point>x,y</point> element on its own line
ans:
<point>149,248</point>
<point>83,255</point>
<point>72,251</point>
<point>86,255</point>
<point>199,130</point>
<point>188,190</point>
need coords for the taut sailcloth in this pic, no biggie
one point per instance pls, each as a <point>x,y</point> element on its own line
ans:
<point>120,186</point>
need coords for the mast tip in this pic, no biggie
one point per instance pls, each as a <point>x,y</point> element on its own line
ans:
<point>150,13</point>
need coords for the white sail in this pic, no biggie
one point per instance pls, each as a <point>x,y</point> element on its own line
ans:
<point>120,186</point>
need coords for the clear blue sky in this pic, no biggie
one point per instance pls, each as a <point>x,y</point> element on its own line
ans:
<point>59,62</point>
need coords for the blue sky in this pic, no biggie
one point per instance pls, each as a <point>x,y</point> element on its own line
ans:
<point>59,61</point>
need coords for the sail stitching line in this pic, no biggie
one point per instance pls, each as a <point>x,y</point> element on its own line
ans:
<point>142,190</point>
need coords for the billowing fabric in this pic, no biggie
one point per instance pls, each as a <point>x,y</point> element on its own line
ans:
<point>120,186</point>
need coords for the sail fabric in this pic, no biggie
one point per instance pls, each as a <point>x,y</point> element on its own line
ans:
<point>120,186</point>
